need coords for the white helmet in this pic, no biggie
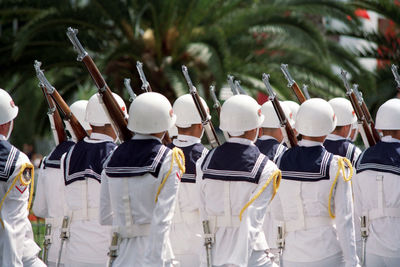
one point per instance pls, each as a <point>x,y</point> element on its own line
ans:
<point>173,131</point>
<point>388,115</point>
<point>294,107</point>
<point>186,111</point>
<point>315,118</point>
<point>151,113</point>
<point>8,110</point>
<point>95,113</point>
<point>78,108</point>
<point>240,113</point>
<point>271,119</point>
<point>343,110</point>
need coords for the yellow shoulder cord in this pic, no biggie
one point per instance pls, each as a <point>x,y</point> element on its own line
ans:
<point>179,158</point>
<point>341,168</point>
<point>23,182</point>
<point>276,177</point>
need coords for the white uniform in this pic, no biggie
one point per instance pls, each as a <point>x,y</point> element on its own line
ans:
<point>237,243</point>
<point>377,196</point>
<point>89,241</point>
<point>186,229</point>
<point>17,247</point>
<point>50,201</point>
<point>311,239</point>
<point>128,203</point>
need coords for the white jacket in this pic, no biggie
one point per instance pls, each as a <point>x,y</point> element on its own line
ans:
<point>133,199</point>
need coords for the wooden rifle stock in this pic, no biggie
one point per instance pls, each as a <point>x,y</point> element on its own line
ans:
<point>292,84</point>
<point>361,118</point>
<point>116,114</point>
<point>366,113</point>
<point>77,128</point>
<point>205,118</point>
<point>79,132</point>
<point>284,122</point>
<point>58,131</point>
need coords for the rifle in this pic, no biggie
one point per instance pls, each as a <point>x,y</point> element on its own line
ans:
<point>305,90</point>
<point>113,251</point>
<point>76,127</point>
<point>239,87</point>
<point>364,237</point>
<point>205,117</point>
<point>365,131</point>
<point>288,134</point>
<point>217,107</point>
<point>292,84</point>
<point>145,84</point>
<point>56,124</point>
<point>117,116</point>
<point>235,91</point>
<point>396,77</point>
<point>366,113</point>
<point>132,95</point>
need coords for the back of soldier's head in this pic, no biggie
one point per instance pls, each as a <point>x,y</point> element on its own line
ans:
<point>315,118</point>
<point>151,113</point>
<point>188,120</point>
<point>388,117</point>
<point>96,114</point>
<point>240,113</point>
<point>8,112</point>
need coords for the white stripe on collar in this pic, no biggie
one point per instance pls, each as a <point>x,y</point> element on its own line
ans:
<point>390,139</point>
<point>266,137</point>
<point>239,140</point>
<point>334,137</point>
<point>185,140</point>
<point>308,143</point>
<point>138,136</point>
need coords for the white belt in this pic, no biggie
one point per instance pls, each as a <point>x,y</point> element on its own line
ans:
<point>223,221</point>
<point>85,214</point>
<point>187,217</point>
<point>307,223</point>
<point>385,212</point>
<point>133,230</point>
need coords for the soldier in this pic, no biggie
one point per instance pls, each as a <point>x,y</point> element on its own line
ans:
<point>16,174</point>
<point>236,182</point>
<point>49,198</point>
<point>186,227</point>
<point>376,190</point>
<point>82,166</point>
<point>314,195</point>
<point>139,185</point>
<point>294,108</point>
<point>271,136</point>
<point>338,141</point>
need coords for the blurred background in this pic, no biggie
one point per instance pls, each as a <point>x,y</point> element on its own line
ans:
<point>212,37</point>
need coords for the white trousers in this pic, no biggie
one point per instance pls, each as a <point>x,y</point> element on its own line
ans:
<point>257,259</point>
<point>332,261</point>
<point>34,262</point>
<point>373,260</point>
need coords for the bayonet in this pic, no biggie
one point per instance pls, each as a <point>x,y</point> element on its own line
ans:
<point>145,84</point>
<point>42,79</point>
<point>239,88</point>
<point>287,130</point>
<point>132,95</point>
<point>232,85</point>
<point>396,75</point>
<point>217,104</point>
<point>305,90</point>
<point>71,33</point>
<point>285,70</point>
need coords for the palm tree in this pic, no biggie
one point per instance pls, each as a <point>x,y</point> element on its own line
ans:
<point>386,49</point>
<point>212,37</point>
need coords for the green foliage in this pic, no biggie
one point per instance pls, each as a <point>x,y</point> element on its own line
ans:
<point>212,37</point>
